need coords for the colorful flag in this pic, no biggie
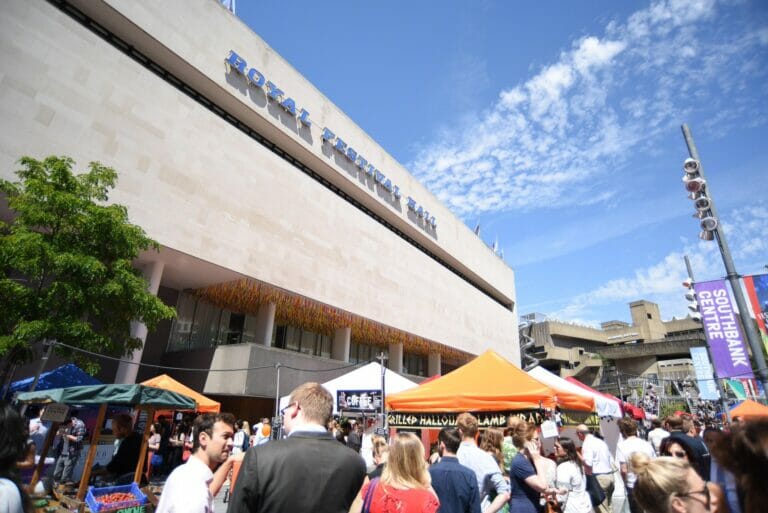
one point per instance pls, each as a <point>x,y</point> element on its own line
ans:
<point>757,290</point>
<point>702,366</point>
<point>738,388</point>
<point>723,331</point>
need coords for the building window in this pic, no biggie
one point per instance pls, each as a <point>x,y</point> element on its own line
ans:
<point>649,316</point>
<point>415,364</point>
<point>302,341</point>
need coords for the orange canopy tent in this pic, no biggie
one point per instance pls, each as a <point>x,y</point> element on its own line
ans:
<point>750,409</point>
<point>164,381</point>
<point>487,383</point>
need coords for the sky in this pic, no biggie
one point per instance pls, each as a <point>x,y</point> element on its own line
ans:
<point>555,126</point>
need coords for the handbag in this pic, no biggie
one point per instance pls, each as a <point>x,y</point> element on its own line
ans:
<point>157,460</point>
<point>369,495</point>
<point>595,491</point>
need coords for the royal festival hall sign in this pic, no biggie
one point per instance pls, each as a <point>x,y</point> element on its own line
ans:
<point>256,78</point>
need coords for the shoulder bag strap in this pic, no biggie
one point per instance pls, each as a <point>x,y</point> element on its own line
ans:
<point>369,495</point>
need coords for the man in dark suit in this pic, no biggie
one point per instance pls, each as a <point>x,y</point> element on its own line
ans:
<point>308,471</point>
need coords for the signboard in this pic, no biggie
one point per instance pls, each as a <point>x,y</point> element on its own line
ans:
<point>757,290</point>
<point>365,401</point>
<point>722,329</point>
<point>487,419</point>
<point>55,412</point>
<point>704,377</point>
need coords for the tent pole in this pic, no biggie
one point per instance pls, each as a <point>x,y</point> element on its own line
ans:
<point>47,348</point>
<point>43,453</point>
<point>91,452</point>
<point>144,443</point>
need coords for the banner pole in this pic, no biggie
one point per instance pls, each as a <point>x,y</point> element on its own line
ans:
<point>720,389</point>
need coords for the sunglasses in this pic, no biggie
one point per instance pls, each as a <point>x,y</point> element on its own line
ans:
<point>704,492</point>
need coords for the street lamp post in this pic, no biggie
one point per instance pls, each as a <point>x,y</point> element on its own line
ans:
<point>715,228</point>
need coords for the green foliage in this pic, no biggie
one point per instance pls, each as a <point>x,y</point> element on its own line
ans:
<point>65,264</point>
<point>668,408</point>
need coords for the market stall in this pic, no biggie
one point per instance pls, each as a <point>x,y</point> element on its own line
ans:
<point>604,406</point>
<point>139,396</point>
<point>488,386</point>
<point>203,403</point>
<point>365,379</point>
<point>749,409</point>
<point>68,375</point>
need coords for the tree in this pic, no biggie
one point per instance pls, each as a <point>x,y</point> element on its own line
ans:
<point>65,258</point>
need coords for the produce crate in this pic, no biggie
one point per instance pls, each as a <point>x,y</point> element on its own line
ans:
<point>135,504</point>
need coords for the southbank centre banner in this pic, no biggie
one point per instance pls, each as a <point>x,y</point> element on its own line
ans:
<point>702,366</point>
<point>757,290</point>
<point>724,334</point>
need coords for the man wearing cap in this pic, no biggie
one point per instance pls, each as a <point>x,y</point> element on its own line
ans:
<point>597,461</point>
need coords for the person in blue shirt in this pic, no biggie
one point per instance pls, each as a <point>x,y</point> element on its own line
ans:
<point>455,484</point>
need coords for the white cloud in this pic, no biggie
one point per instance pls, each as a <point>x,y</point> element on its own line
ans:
<point>662,281</point>
<point>576,120</point>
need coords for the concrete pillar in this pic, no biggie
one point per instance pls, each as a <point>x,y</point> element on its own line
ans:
<point>340,345</point>
<point>126,372</point>
<point>265,324</point>
<point>395,362</point>
<point>434,364</point>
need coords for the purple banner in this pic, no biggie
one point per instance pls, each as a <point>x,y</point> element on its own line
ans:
<point>724,334</point>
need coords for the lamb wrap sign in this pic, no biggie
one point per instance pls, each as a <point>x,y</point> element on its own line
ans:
<point>724,334</point>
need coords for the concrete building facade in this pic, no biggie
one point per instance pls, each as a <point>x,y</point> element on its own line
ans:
<point>288,236</point>
<point>648,347</point>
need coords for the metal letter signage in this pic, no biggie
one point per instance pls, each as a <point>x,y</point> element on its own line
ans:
<point>254,77</point>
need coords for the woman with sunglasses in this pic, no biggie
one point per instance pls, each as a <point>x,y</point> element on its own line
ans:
<point>677,448</point>
<point>671,485</point>
<point>571,478</point>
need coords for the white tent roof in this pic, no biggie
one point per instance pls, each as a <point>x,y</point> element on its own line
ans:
<point>367,377</point>
<point>604,406</point>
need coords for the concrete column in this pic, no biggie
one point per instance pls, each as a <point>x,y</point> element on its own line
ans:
<point>340,345</point>
<point>395,362</point>
<point>265,324</point>
<point>126,372</point>
<point>434,364</point>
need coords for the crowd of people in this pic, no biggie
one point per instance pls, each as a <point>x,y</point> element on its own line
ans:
<point>675,468</point>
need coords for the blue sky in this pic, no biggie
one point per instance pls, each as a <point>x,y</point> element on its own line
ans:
<point>556,126</point>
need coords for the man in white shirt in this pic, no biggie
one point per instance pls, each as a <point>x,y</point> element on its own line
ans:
<point>597,461</point>
<point>657,434</point>
<point>38,430</point>
<point>482,464</point>
<point>187,488</point>
<point>624,451</point>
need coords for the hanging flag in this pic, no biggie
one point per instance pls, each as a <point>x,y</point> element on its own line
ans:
<point>757,290</point>
<point>722,329</point>
<point>702,366</point>
<point>738,388</point>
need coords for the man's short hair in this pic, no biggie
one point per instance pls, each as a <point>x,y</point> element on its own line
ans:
<point>656,422</point>
<point>204,424</point>
<point>451,438</point>
<point>123,420</point>
<point>675,422</point>
<point>467,424</point>
<point>687,424</point>
<point>315,401</point>
<point>628,427</point>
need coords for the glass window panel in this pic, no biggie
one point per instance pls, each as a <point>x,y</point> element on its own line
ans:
<point>181,327</point>
<point>307,342</point>
<point>205,326</point>
<point>292,338</point>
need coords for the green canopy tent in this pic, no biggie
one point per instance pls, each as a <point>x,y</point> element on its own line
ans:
<point>139,396</point>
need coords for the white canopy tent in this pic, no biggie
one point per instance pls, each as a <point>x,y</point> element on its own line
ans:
<point>604,407</point>
<point>367,377</point>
